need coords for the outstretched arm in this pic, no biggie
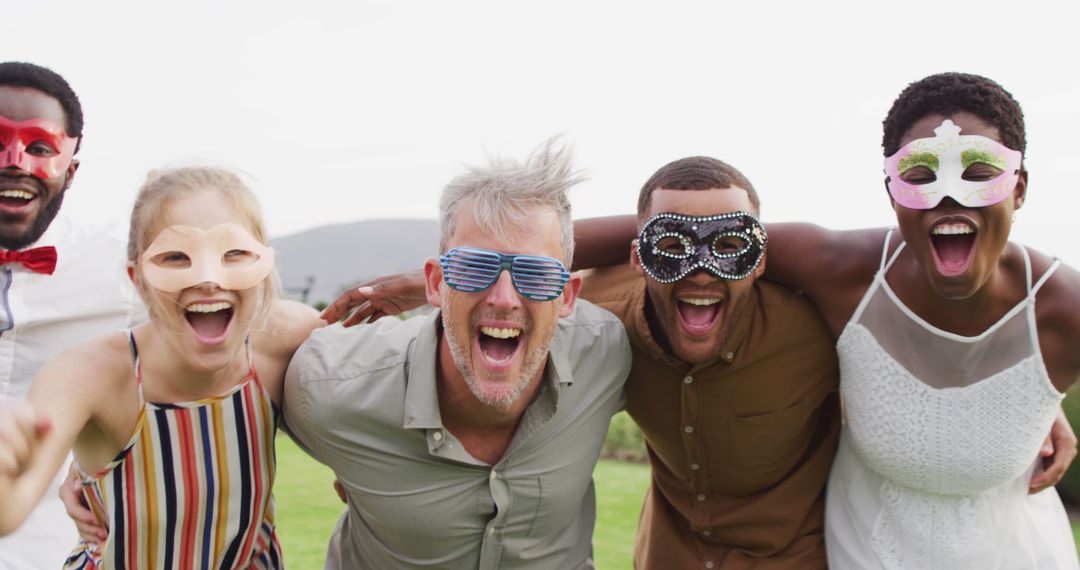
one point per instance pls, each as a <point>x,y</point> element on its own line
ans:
<point>36,435</point>
<point>378,298</point>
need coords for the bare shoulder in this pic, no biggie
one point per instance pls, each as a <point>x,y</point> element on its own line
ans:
<point>84,382</point>
<point>95,366</point>
<point>1058,318</point>
<point>832,267</point>
<point>287,326</point>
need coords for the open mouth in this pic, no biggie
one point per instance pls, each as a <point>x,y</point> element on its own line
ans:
<point>209,321</point>
<point>14,199</point>
<point>953,245</point>
<point>499,345</point>
<point>698,314</point>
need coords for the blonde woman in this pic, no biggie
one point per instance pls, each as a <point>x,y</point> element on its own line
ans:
<point>172,423</point>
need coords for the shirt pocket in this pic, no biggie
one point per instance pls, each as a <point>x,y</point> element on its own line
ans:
<point>765,447</point>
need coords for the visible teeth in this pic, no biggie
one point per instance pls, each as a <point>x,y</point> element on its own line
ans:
<point>500,333</point>
<point>699,301</point>
<point>209,307</point>
<point>20,194</point>
<point>952,229</point>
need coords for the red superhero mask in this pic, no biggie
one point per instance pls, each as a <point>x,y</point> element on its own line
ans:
<point>38,146</point>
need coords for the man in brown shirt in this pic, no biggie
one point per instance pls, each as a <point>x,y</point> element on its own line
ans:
<point>733,382</point>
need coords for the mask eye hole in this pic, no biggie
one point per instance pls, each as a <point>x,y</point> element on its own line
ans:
<point>673,245</point>
<point>172,260</point>
<point>728,245</point>
<point>239,257</point>
<point>42,149</point>
<point>918,175</point>
<point>981,172</point>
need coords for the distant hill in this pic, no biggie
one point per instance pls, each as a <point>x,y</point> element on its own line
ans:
<point>342,255</point>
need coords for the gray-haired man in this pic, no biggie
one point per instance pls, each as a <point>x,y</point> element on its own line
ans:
<point>467,438</point>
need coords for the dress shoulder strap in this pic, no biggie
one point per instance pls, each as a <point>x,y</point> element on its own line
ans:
<point>879,277</point>
<point>1033,289</point>
<point>886,260</point>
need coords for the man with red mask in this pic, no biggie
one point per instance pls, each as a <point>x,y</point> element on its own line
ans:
<point>61,282</point>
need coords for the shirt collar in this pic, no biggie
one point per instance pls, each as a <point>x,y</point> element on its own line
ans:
<point>422,392</point>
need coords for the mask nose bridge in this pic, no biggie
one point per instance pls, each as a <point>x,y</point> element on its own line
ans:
<point>205,268</point>
<point>13,155</point>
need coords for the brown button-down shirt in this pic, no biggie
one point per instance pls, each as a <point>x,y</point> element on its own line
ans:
<point>740,446</point>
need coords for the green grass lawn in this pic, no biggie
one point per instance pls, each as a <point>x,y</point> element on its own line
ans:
<point>307,509</point>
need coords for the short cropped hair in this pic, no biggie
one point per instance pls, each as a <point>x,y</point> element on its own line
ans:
<point>501,195</point>
<point>21,74</point>
<point>695,173</point>
<point>949,93</point>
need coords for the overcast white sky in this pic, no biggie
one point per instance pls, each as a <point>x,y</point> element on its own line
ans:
<point>361,110</point>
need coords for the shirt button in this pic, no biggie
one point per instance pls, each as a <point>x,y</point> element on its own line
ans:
<point>730,355</point>
<point>695,466</point>
<point>437,436</point>
<point>706,532</point>
<point>701,497</point>
<point>494,475</point>
<point>709,564</point>
<point>688,429</point>
<point>688,379</point>
<point>491,530</point>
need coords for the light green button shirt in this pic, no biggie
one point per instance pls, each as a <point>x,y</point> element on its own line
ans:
<point>363,401</point>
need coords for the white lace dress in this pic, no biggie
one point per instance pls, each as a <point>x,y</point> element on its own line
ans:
<point>940,439</point>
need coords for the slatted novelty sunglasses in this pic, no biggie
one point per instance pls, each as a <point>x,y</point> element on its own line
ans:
<point>471,269</point>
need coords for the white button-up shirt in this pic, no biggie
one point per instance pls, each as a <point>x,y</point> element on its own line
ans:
<point>87,296</point>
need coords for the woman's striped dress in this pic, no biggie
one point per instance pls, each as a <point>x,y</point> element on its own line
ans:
<point>192,488</point>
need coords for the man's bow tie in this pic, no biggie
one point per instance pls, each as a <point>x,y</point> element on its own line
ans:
<point>38,259</point>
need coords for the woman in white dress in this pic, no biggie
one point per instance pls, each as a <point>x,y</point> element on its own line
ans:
<point>955,345</point>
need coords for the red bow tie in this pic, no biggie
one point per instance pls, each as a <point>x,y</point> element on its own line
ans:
<point>38,259</point>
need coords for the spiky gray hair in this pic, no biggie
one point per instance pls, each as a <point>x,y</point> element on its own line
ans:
<point>502,194</point>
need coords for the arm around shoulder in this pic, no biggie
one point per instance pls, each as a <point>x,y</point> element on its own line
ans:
<point>820,261</point>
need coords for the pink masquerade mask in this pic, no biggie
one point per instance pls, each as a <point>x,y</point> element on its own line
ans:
<point>947,155</point>
<point>38,146</point>
<point>226,254</point>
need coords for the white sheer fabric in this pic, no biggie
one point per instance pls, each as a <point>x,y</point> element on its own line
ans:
<point>940,437</point>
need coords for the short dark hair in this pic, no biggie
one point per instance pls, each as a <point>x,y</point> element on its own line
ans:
<point>948,93</point>
<point>22,74</point>
<point>695,173</point>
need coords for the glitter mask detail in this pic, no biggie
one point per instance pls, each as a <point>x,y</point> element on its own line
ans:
<point>948,154</point>
<point>698,235</point>
<point>471,270</point>
<point>226,254</point>
<point>18,137</point>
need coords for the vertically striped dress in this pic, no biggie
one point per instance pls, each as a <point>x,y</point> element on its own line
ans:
<point>192,488</point>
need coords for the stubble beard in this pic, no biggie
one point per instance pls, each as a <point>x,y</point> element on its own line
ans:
<point>37,228</point>
<point>533,360</point>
